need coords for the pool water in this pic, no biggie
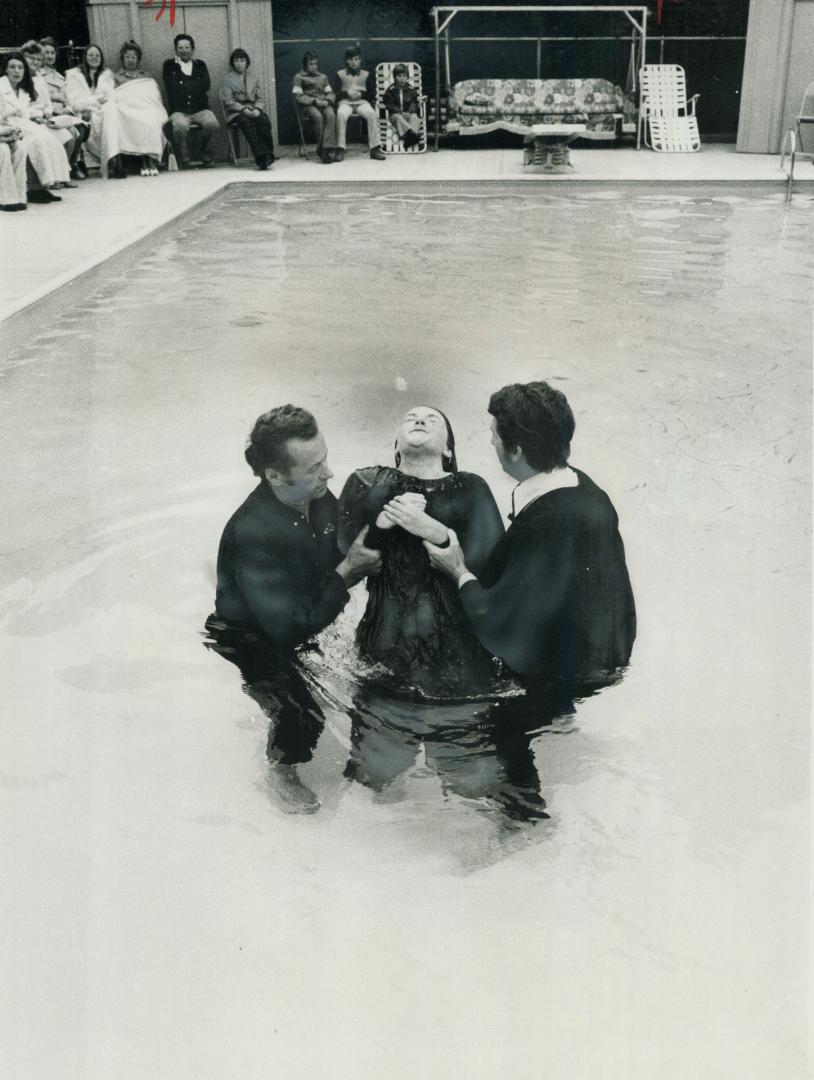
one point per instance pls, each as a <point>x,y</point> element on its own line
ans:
<point>167,919</point>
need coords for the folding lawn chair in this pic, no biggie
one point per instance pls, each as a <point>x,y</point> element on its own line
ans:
<point>391,143</point>
<point>666,116</point>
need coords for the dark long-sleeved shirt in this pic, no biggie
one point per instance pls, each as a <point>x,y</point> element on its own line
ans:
<point>400,99</point>
<point>186,93</point>
<point>277,568</point>
<point>554,599</point>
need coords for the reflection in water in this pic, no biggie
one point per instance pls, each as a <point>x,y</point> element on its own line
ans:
<point>478,751</point>
<point>276,683</point>
<point>480,748</point>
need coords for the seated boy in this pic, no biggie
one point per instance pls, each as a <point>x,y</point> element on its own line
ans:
<point>403,110</point>
<point>354,97</point>
<point>315,101</point>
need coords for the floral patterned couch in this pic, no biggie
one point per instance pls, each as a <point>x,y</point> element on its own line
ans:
<point>481,105</point>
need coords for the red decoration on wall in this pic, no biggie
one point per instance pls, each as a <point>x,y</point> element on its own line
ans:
<point>163,8</point>
<point>659,4</point>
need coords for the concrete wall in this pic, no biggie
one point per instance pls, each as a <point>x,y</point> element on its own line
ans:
<point>779,65</point>
<point>218,26</point>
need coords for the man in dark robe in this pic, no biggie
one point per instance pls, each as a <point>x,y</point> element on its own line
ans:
<point>282,579</point>
<point>554,600</point>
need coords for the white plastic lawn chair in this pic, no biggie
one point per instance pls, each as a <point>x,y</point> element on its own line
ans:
<point>794,146</point>
<point>391,143</point>
<point>666,119</point>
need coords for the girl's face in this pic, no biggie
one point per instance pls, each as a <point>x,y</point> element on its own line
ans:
<point>15,70</point>
<point>240,64</point>
<point>129,60</point>
<point>49,55</point>
<point>312,67</point>
<point>401,79</point>
<point>93,57</point>
<point>423,428</point>
<point>34,60</point>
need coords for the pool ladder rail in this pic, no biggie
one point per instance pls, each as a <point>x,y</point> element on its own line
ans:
<point>793,142</point>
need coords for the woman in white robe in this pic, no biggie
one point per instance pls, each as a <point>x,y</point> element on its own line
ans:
<point>18,107</point>
<point>44,109</point>
<point>142,115</point>
<point>91,90</point>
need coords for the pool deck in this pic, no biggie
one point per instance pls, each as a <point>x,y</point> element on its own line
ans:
<point>50,246</point>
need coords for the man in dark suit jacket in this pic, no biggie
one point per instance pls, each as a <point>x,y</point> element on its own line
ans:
<point>186,82</point>
<point>554,600</point>
<point>282,579</point>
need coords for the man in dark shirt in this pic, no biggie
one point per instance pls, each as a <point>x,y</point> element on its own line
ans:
<point>282,579</point>
<point>186,82</point>
<point>554,600</point>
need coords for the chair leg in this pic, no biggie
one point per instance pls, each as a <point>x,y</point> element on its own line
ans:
<point>790,187</point>
<point>302,150</point>
<point>231,135</point>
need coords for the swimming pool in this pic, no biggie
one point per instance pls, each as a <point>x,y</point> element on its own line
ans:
<point>678,322</point>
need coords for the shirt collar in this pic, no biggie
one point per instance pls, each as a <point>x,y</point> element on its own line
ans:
<point>185,65</point>
<point>527,491</point>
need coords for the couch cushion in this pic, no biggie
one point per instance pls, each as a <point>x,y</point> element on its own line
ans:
<point>525,97</point>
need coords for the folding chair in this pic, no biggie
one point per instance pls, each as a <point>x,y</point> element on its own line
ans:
<point>361,123</point>
<point>302,149</point>
<point>793,144</point>
<point>234,138</point>
<point>391,143</point>
<point>169,149</point>
<point>666,115</point>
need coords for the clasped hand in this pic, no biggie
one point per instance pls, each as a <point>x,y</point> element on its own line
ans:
<point>408,511</point>
<point>449,560</point>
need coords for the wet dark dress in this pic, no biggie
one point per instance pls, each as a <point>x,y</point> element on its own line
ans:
<point>414,623</point>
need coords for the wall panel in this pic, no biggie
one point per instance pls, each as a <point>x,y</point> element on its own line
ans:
<point>215,26</point>
<point>779,52</point>
<point>256,36</point>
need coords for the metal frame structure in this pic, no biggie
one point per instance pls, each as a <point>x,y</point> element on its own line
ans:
<point>443,16</point>
<point>793,142</point>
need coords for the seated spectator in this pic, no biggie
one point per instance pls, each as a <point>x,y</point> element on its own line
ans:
<point>90,88</point>
<point>18,109</point>
<point>43,110</point>
<point>186,82</point>
<point>55,82</point>
<point>244,108</point>
<point>141,113</point>
<point>403,109</point>
<point>354,98</point>
<point>314,99</point>
<point>12,168</point>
